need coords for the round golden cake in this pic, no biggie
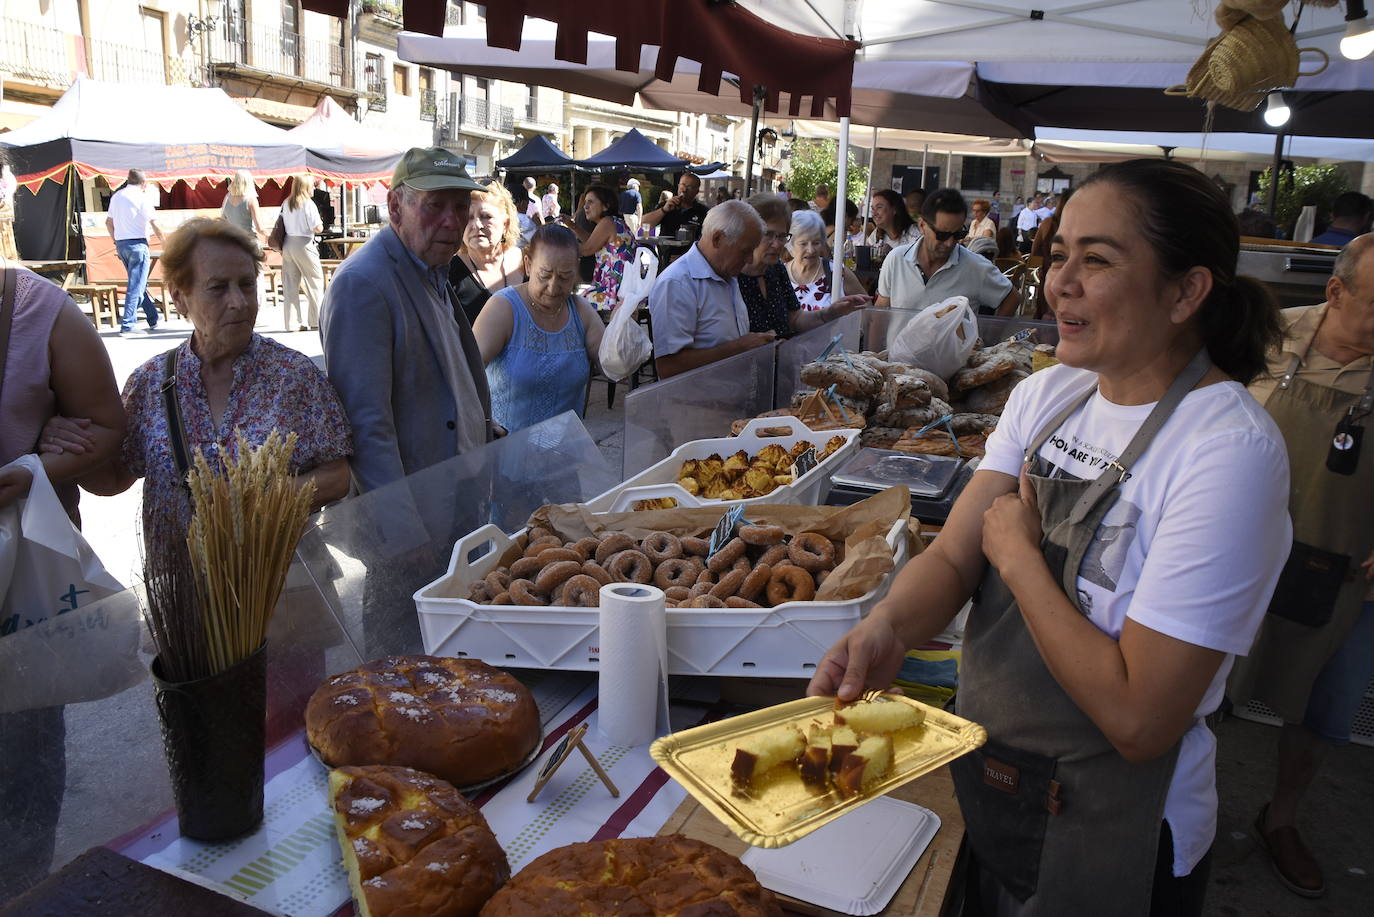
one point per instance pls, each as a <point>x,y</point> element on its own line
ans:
<point>668,876</point>
<point>458,719</point>
<point>412,845</point>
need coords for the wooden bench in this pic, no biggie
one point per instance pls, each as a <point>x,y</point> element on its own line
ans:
<point>103,298</point>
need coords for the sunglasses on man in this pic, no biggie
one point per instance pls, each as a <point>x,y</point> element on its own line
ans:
<point>944,235</point>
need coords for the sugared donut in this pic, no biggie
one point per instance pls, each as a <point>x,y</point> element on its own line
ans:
<point>582,591</point>
<point>725,558</point>
<point>790,584</point>
<point>541,544</point>
<point>630,567</point>
<point>677,593</point>
<point>696,547</point>
<point>586,547</point>
<point>811,552</point>
<point>774,554</point>
<point>522,592</point>
<point>556,574</point>
<point>706,601</point>
<point>498,581</point>
<point>661,546</point>
<point>612,543</point>
<point>756,582</point>
<point>729,584</point>
<point>761,535</point>
<point>597,572</point>
<point>735,601</point>
<point>675,571</point>
<point>525,568</point>
<point>554,555</point>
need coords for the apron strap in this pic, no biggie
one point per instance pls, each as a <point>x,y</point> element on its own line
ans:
<point>1116,471</point>
<point>1286,379</point>
<point>1366,400</point>
<point>1055,423</point>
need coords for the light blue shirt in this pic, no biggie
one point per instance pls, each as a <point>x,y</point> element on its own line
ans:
<point>692,306</point>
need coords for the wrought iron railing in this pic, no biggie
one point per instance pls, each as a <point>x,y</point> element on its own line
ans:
<point>52,57</point>
<point>280,51</point>
<point>429,105</point>
<point>484,115</point>
<point>542,112</point>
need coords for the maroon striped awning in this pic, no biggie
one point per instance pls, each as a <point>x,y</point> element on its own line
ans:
<point>723,37</point>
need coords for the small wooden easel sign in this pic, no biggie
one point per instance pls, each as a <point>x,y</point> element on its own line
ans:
<point>561,752</point>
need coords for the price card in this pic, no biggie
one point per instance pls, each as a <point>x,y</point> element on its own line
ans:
<point>830,393</point>
<point>725,529</point>
<point>804,463</point>
<point>1025,334</point>
<point>829,347</point>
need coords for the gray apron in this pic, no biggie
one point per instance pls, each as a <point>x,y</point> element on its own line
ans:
<point>1065,823</point>
<point>1330,513</point>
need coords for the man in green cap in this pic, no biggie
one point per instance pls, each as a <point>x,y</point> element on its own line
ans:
<point>396,346</point>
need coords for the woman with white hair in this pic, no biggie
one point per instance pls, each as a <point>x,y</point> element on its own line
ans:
<point>551,207</point>
<point>811,269</point>
<point>241,205</point>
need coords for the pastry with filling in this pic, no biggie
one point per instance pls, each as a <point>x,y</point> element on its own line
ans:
<point>668,876</point>
<point>412,845</point>
<point>879,716</point>
<point>458,719</point>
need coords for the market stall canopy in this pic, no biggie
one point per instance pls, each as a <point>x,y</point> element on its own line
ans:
<point>914,141</point>
<point>1058,145</point>
<point>537,154</point>
<point>634,151</point>
<point>338,148</point>
<point>936,94</point>
<point>170,132</point>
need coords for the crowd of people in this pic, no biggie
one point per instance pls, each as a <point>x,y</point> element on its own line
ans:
<point>1108,608</point>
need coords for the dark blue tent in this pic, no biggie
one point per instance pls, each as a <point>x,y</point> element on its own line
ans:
<point>538,155</point>
<point>636,153</point>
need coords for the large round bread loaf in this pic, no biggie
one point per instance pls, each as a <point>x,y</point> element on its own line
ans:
<point>413,846</point>
<point>669,876</point>
<point>458,719</point>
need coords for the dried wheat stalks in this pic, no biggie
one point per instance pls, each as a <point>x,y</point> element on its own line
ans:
<point>244,529</point>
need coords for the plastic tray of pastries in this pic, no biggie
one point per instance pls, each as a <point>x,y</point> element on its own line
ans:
<point>779,807</point>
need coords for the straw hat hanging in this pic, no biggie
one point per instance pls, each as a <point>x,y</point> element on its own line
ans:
<point>1254,54</point>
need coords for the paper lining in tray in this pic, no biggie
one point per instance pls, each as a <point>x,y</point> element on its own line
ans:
<point>781,808</point>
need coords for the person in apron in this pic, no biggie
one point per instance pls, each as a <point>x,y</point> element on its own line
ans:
<point>1120,542</point>
<point>1315,654</point>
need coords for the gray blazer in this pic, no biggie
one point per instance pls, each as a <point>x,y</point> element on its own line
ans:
<point>380,322</point>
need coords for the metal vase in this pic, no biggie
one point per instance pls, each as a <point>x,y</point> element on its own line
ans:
<point>213,730</point>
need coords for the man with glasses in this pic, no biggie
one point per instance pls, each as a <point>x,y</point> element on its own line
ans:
<point>935,267</point>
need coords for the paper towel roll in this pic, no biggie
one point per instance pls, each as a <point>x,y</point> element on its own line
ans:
<point>633,629</point>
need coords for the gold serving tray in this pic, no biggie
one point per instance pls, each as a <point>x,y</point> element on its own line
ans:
<point>781,808</point>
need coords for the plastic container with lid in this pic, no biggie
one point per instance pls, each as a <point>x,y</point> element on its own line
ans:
<point>935,481</point>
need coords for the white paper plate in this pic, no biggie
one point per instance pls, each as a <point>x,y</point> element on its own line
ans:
<point>853,865</point>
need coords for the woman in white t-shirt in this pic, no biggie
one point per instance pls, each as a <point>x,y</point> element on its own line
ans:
<point>300,255</point>
<point>1122,536</point>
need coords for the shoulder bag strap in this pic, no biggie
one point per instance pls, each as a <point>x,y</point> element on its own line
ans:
<point>9,280</point>
<point>176,430</point>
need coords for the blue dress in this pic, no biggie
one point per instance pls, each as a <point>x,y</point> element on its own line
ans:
<point>540,374</point>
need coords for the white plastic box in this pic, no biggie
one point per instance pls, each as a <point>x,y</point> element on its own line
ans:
<point>660,480</point>
<point>781,642</point>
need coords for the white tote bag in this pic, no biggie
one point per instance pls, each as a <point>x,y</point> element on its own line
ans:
<point>69,631</point>
<point>625,346</point>
<point>939,338</point>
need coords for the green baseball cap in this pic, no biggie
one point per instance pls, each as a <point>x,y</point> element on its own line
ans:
<point>432,169</point>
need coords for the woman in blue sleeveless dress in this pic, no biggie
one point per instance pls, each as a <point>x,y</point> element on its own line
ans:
<point>538,341</point>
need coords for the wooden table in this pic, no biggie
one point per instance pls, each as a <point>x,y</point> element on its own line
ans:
<point>344,245</point>
<point>65,270</point>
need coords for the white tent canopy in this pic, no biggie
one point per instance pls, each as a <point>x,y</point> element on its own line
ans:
<point>334,130</point>
<point>1061,145</point>
<point>915,141</point>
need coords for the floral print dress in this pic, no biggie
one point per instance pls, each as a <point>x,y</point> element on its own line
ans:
<point>815,295</point>
<point>610,267</point>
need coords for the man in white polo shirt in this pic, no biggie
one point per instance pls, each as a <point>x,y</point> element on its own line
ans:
<point>1026,222</point>
<point>936,267</point>
<point>129,219</point>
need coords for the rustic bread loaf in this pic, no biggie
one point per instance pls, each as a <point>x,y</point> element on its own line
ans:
<point>412,844</point>
<point>669,876</point>
<point>458,719</point>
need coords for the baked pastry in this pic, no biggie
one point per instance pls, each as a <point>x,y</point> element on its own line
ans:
<point>938,442</point>
<point>906,390</point>
<point>965,424</point>
<point>879,715</point>
<point>412,844</point>
<point>856,407</point>
<point>458,719</point>
<point>991,398</point>
<point>668,876</point>
<point>760,753</point>
<point>880,437</point>
<point>865,766</point>
<point>989,368</point>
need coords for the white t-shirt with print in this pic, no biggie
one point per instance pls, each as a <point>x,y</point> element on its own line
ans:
<point>1192,547</point>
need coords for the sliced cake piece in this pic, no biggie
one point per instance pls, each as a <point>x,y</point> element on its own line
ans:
<point>815,760</point>
<point>880,716</point>
<point>758,754</point>
<point>843,740</point>
<point>412,844</point>
<point>865,766</point>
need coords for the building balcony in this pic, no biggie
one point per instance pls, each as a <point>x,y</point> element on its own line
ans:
<point>251,50</point>
<point>541,116</point>
<point>48,60</point>
<point>483,117</point>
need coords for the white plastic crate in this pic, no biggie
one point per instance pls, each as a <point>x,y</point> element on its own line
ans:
<point>1361,731</point>
<point>660,480</point>
<point>781,642</point>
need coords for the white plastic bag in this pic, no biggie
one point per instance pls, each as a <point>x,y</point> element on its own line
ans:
<point>938,339</point>
<point>625,345</point>
<point>63,639</point>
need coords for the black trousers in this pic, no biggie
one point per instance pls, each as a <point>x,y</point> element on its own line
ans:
<point>33,777</point>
